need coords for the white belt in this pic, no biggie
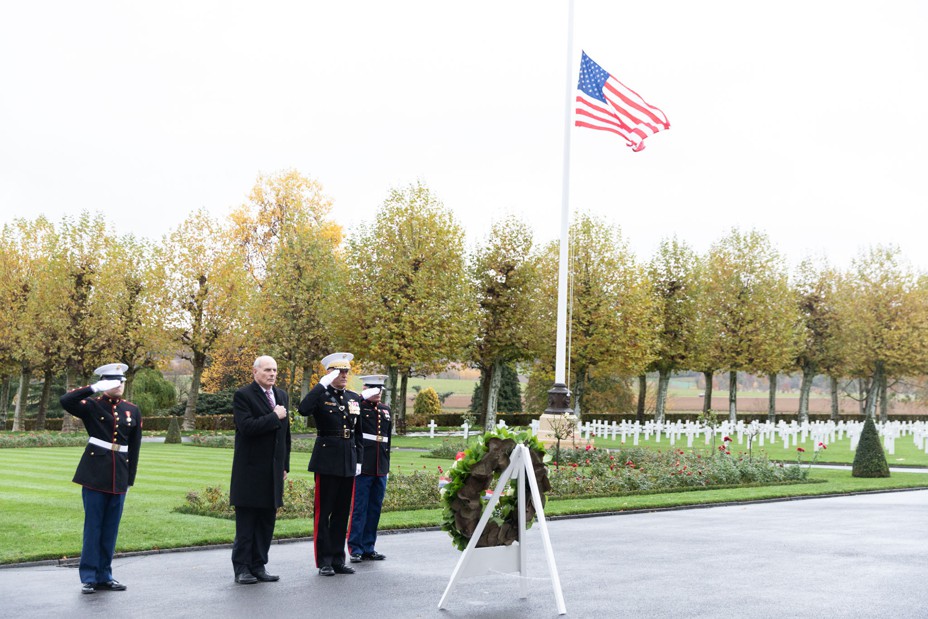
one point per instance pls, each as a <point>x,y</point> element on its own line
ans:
<point>111,446</point>
<point>374,437</point>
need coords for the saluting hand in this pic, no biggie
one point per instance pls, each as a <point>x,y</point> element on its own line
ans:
<point>281,411</point>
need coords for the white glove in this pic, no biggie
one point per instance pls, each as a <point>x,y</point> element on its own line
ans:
<point>105,385</point>
<point>357,470</point>
<point>326,380</point>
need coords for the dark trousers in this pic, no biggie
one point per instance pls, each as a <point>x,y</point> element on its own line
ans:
<point>254,530</point>
<point>365,513</point>
<point>102,512</point>
<point>330,524</point>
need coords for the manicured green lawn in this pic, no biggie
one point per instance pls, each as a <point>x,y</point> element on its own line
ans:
<point>42,515</point>
<point>839,452</point>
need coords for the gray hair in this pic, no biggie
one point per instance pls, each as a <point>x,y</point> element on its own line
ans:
<point>262,359</point>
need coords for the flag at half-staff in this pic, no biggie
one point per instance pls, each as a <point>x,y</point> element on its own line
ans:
<point>606,104</point>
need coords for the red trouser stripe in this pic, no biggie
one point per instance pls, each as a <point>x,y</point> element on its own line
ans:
<point>351,513</point>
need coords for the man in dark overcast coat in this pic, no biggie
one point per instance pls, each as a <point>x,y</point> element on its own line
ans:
<point>259,469</point>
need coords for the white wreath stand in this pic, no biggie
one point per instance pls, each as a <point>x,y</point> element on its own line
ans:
<point>477,561</point>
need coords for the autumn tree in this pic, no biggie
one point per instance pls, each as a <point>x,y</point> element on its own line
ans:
<point>410,303</point>
<point>28,249</point>
<point>506,280</point>
<point>815,287</point>
<point>674,277</point>
<point>751,310</point>
<point>884,315</point>
<point>136,333</point>
<point>290,249</point>
<point>204,293</point>
<point>612,316</point>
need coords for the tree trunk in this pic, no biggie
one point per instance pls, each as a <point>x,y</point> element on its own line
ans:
<point>190,413</point>
<point>707,396</point>
<point>874,390</point>
<point>835,411</point>
<point>663,383</point>
<point>130,381</point>
<point>861,397</point>
<point>22,400</point>
<point>47,377</point>
<point>392,384</point>
<point>400,409</point>
<point>4,401</point>
<point>808,374</point>
<point>484,386</point>
<point>305,380</point>
<point>492,395</point>
<point>884,401</point>
<point>578,393</point>
<point>772,398</point>
<point>70,423</point>
<point>732,396</point>
<point>642,394</point>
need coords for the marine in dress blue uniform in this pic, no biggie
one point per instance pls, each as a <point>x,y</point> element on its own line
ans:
<point>106,469</point>
<point>335,461</point>
<point>371,485</point>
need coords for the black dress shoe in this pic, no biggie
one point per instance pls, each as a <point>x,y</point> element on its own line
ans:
<point>373,556</point>
<point>343,569</point>
<point>245,577</point>
<point>327,570</point>
<point>88,587</point>
<point>112,585</point>
<point>262,575</point>
<point>355,558</point>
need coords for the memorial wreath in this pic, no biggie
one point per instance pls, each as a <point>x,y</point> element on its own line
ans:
<point>474,474</point>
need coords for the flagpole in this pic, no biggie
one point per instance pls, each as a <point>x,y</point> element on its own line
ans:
<point>559,396</point>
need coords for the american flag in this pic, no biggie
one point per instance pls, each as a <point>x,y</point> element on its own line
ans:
<point>606,104</point>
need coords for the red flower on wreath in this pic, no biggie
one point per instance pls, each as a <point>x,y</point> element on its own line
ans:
<point>800,450</point>
<point>459,456</point>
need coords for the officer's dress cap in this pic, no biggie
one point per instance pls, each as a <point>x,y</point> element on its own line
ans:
<point>112,371</point>
<point>338,361</point>
<point>374,380</point>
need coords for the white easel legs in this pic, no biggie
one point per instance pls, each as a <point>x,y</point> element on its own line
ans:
<point>475,561</point>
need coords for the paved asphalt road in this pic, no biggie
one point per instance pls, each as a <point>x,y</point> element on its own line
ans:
<point>853,556</point>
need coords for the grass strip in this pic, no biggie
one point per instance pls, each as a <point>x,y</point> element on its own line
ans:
<point>42,515</point>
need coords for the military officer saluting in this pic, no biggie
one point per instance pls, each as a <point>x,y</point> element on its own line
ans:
<point>335,460</point>
<point>106,469</point>
<point>370,486</point>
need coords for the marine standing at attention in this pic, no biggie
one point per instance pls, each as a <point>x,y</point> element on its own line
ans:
<point>106,470</point>
<point>371,485</point>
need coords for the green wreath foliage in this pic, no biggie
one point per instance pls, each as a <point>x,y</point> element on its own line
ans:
<point>478,471</point>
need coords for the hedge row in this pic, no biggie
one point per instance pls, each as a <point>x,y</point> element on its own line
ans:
<point>226,422</point>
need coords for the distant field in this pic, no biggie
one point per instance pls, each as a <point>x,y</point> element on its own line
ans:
<point>444,385</point>
<point>683,395</point>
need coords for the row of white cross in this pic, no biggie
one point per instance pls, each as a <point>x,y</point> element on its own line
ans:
<point>792,433</point>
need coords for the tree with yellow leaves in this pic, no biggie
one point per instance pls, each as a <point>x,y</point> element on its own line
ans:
<point>204,292</point>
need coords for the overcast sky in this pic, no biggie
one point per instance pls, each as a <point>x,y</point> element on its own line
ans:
<point>805,119</point>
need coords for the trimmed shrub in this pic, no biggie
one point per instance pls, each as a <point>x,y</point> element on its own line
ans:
<point>869,459</point>
<point>173,435</point>
<point>427,403</point>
